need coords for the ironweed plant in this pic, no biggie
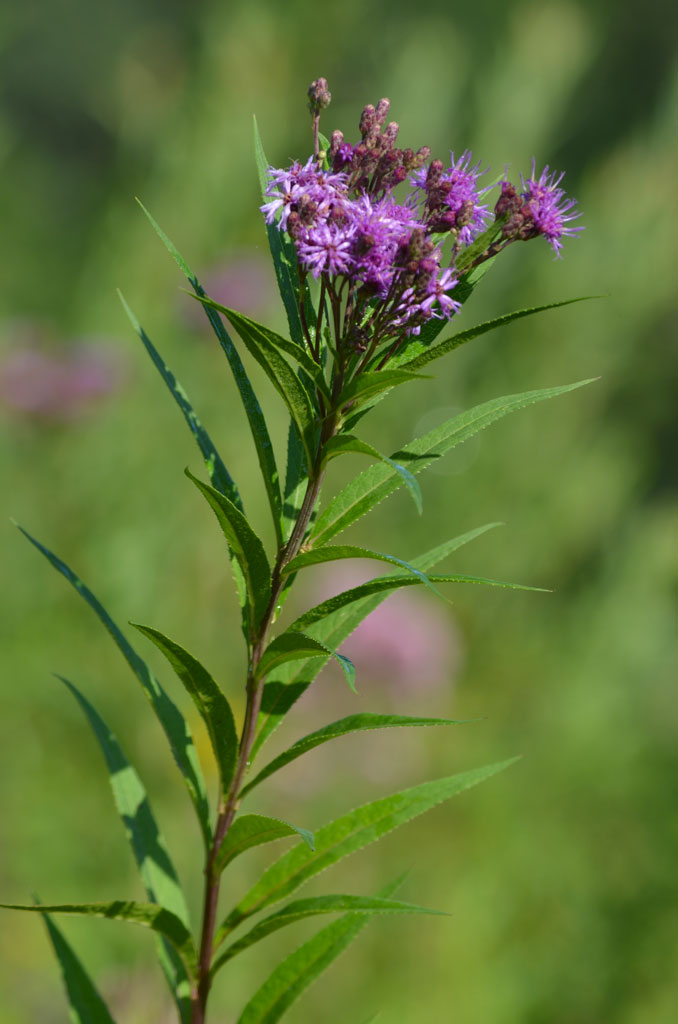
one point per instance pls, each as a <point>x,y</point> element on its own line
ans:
<point>375,249</point>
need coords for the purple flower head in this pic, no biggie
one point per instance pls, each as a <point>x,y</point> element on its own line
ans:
<point>453,197</point>
<point>379,230</point>
<point>56,383</point>
<point>463,197</point>
<point>327,247</point>
<point>437,291</point>
<point>550,207</point>
<point>301,184</point>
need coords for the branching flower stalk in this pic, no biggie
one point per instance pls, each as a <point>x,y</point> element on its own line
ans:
<point>376,249</point>
<point>385,257</point>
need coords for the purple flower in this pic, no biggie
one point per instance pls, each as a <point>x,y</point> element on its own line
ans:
<point>327,247</point>
<point>463,196</point>
<point>58,383</point>
<point>437,292</point>
<point>379,230</point>
<point>301,185</point>
<point>453,197</point>
<point>550,207</point>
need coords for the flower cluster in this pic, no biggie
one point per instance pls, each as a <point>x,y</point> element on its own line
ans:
<point>540,209</point>
<point>380,258</point>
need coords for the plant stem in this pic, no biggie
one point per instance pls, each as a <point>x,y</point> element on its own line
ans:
<point>228,804</point>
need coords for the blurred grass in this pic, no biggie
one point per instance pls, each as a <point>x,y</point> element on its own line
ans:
<point>559,875</point>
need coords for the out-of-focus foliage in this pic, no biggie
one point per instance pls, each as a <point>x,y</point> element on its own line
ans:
<point>560,874</point>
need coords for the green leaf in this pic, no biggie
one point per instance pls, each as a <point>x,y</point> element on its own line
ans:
<point>481,244</point>
<point>219,475</point>
<point>388,583</point>
<point>377,482</point>
<point>211,703</point>
<point>311,907</point>
<point>342,444</point>
<point>255,334</point>
<point>290,682</point>
<point>296,478</point>
<point>287,982</point>
<point>147,843</point>
<point>172,721</point>
<point>367,385</point>
<point>149,915</point>
<point>420,355</point>
<point>279,372</point>
<point>255,417</point>
<point>86,1005</point>
<point>250,830</point>
<point>344,726</point>
<point>348,834</point>
<point>294,646</point>
<point>341,551</point>
<point>282,252</point>
<point>246,547</point>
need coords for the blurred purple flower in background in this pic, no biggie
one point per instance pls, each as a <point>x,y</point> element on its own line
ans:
<point>407,650</point>
<point>244,282</point>
<point>409,644</point>
<point>45,380</point>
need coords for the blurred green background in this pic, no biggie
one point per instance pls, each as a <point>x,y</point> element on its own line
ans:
<point>560,874</point>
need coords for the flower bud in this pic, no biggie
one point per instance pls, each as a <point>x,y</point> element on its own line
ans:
<point>319,96</point>
<point>383,107</point>
<point>336,140</point>
<point>368,121</point>
<point>509,201</point>
<point>391,132</point>
<point>435,173</point>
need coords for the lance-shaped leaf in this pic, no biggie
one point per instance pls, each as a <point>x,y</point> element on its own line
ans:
<point>86,1005</point>
<point>344,726</point>
<point>246,547</point>
<point>290,682</point>
<point>296,479</point>
<point>420,355</point>
<point>208,699</point>
<point>282,251</point>
<point>219,475</point>
<point>348,834</point>
<point>287,982</point>
<point>149,915</point>
<point>255,334</point>
<point>255,417</point>
<point>148,846</point>
<point>480,245</point>
<point>294,646</point>
<point>279,372</point>
<point>388,583</point>
<point>360,389</point>
<point>170,717</point>
<point>346,444</point>
<point>377,482</point>
<point>311,907</point>
<point>341,551</point>
<point>250,830</point>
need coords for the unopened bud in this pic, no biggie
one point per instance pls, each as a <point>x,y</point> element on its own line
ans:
<point>383,107</point>
<point>368,120</point>
<point>435,173</point>
<point>294,224</point>
<point>336,140</point>
<point>391,132</point>
<point>464,213</point>
<point>319,96</point>
<point>509,201</point>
